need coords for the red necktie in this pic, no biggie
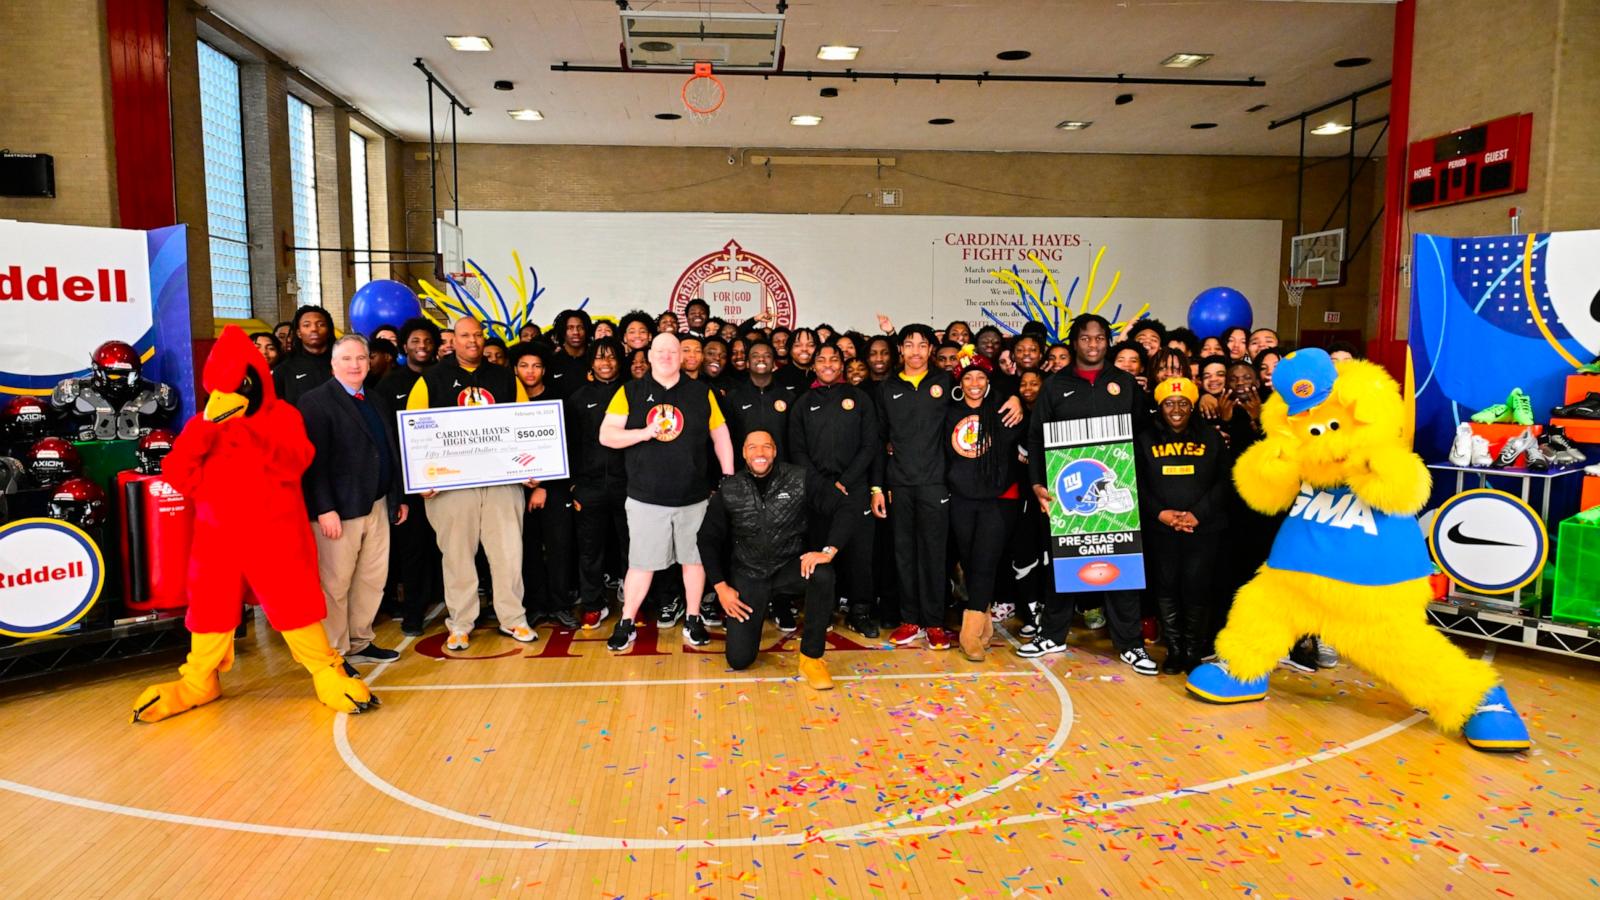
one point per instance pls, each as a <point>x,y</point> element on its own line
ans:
<point>361,395</point>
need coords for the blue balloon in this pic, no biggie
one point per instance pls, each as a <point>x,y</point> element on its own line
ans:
<point>1218,309</point>
<point>382,302</point>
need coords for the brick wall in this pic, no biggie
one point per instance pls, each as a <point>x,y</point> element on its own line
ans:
<point>56,96</point>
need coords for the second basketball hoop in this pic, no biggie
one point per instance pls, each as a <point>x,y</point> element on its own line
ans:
<point>703,93</point>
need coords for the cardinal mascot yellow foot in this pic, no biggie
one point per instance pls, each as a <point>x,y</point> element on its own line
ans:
<point>1349,563</point>
<point>240,464</point>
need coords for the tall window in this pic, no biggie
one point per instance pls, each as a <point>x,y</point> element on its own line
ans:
<point>223,139</point>
<point>303,182</point>
<point>358,207</point>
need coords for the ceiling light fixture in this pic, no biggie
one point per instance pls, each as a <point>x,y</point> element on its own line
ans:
<point>1327,128</point>
<point>1073,125</point>
<point>1012,55</point>
<point>1202,126</point>
<point>837,52</point>
<point>469,43</point>
<point>942,121</point>
<point>1124,99</point>
<point>525,115</point>
<point>1352,62</point>
<point>1185,60</point>
<point>668,117</point>
<point>806,120</point>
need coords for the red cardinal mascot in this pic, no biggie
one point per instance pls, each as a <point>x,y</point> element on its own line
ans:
<point>240,463</point>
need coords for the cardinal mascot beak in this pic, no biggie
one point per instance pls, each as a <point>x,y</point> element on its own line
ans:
<point>223,405</point>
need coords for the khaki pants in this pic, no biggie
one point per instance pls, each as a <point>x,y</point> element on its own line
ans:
<point>353,570</point>
<point>463,519</point>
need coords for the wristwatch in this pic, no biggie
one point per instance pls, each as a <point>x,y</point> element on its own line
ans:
<point>831,550</point>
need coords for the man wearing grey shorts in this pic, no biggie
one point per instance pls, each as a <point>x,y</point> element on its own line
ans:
<point>662,422</point>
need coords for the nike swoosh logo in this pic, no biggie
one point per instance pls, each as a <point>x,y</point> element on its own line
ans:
<point>815,408</point>
<point>1068,394</point>
<point>945,500</point>
<point>301,375</point>
<point>898,396</point>
<point>1455,536</point>
<point>592,406</point>
<point>747,406</point>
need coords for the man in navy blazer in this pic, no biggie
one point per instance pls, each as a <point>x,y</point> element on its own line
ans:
<point>353,490</point>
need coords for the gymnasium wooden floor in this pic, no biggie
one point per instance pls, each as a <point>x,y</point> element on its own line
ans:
<point>558,770</point>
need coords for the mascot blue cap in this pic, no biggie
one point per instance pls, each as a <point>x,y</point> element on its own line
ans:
<point>1304,379</point>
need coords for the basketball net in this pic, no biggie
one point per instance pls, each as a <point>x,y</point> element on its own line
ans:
<point>1296,289</point>
<point>468,281</point>
<point>703,94</point>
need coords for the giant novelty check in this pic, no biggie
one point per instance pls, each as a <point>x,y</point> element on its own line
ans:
<point>477,446</point>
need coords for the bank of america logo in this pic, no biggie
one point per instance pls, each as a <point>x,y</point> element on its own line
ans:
<point>523,459</point>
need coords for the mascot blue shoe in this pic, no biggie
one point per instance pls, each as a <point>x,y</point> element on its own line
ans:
<point>1496,725</point>
<point>1213,683</point>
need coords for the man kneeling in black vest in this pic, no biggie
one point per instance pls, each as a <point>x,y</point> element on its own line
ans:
<point>760,515</point>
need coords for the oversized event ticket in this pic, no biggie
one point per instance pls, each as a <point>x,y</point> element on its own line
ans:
<point>477,446</point>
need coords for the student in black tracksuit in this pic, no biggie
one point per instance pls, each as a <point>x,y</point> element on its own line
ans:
<point>980,454</point>
<point>548,566</point>
<point>833,436</point>
<point>414,561</point>
<point>599,482</point>
<point>911,405</point>
<point>1183,499</point>
<point>569,364</point>
<point>760,401</point>
<point>1088,387</point>
<point>310,362</point>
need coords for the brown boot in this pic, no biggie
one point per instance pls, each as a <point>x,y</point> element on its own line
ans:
<point>973,645</point>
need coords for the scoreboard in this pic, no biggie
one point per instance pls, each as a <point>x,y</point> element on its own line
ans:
<point>1486,160</point>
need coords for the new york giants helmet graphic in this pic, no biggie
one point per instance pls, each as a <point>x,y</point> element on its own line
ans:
<point>1088,486</point>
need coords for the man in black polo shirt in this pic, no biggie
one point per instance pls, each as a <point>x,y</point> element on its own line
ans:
<point>1085,389</point>
<point>414,564</point>
<point>308,364</point>
<point>760,401</point>
<point>464,518</point>
<point>662,422</point>
<point>833,436</point>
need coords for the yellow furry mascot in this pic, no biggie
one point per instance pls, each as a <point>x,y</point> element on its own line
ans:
<point>1349,563</point>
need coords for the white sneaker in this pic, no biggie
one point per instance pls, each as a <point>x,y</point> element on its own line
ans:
<point>1002,611</point>
<point>1327,656</point>
<point>1140,660</point>
<point>1040,647</point>
<point>1461,447</point>
<point>1480,452</point>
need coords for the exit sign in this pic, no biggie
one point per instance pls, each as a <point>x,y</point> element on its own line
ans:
<point>1330,317</point>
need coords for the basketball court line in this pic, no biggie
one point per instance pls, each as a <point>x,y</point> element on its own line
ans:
<point>764,679</point>
<point>505,844</point>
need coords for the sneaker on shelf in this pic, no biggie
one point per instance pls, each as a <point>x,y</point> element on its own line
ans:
<point>711,611</point>
<point>1521,407</point>
<point>1492,415</point>
<point>565,619</point>
<point>1094,619</point>
<point>905,634</point>
<point>784,615</point>
<point>373,653</point>
<point>1327,656</point>
<point>1480,453</point>
<point>1140,661</point>
<point>1587,408</point>
<point>860,621</point>
<point>1461,447</point>
<point>1514,448</point>
<point>622,635</point>
<point>671,612</point>
<point>521,633</point>
<point>1562,451</point>
<point>938,639</point>
<point>694,631</point>
<point>457,641</point>
<point>593,617</point>
<point>1028,630</point>
<point>1002,611</point>
<point>1538,461</point>
<point>1040,646</point>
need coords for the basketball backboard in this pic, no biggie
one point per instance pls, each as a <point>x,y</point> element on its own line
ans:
<point>452,247</point>
<point>751,42</point>
<point>1318,257</point>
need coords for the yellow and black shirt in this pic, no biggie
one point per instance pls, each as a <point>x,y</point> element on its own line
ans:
<point>671,469</point>
<point>1186,471</point>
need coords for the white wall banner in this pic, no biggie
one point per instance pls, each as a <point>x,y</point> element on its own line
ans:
<point>845,269</point>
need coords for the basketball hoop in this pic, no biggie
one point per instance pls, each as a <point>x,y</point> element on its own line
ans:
<point>1296,289</point>
<point>468,282</point>
<point>703,93</point>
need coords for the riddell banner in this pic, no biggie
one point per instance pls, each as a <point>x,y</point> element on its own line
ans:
<point>66,289</point>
